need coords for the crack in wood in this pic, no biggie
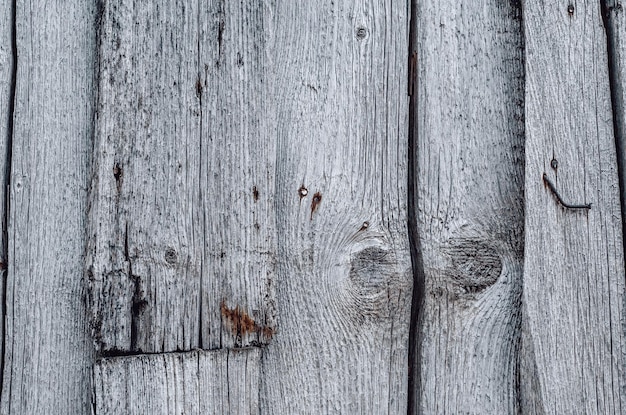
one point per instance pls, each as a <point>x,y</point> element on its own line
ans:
<point>608,9</point>
<point>417,263</point>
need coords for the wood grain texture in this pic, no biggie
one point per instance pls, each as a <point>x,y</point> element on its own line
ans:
<point>49,352</point>
<point>469,137</point>
<point>7,77</point>
<point>183,236</point>
<point>615,26</point>
<point>339,96</point>
<point>197,382</point>
<point>573,332</point>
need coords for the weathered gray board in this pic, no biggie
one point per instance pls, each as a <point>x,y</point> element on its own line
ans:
<point>183,236</point>
<point>49,352</point>
<point>193,133</point>
<point>198,382</point>
<point>469,138</point>
<point>339,92</point>
<point>321,93</point>
<point>573,331</point>
<point>7,71</point>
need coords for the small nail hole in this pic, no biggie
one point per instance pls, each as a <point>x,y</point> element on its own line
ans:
<point>570,9</point>
<point>361,33</point>
<point>303,191</point>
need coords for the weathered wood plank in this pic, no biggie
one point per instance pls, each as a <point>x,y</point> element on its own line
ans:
<point>237,175</point>
<point>340,115</point>
<point>7,73</point>
<point>183,234</point>
<point>615,27</point>
<point>198,382</point>
<point>48,352</point>
<point>573,332</point>
<point>468,141</point>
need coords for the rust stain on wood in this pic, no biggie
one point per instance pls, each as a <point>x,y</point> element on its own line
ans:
<point>317,198</point>
<point>241,323</point>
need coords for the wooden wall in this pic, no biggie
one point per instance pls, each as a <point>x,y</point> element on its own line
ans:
<point>312,207</point>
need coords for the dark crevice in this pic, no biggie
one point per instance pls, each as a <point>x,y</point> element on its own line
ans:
<point>416,255</point>
<point>4,265</point>
<point>609,7</point>
<point>139,303</point>
<point>113,353</point>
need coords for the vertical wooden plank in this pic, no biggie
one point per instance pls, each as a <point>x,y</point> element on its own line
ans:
<point>573,332</point>
<point>7,88</point>
<point>145,252</point>
<point>182,223</point>
<point>237,174</point>
<point>198,382</point>
<point>48,353</point>
<point>340,115</point>
<point>615,27</point>
<point>468,141</point>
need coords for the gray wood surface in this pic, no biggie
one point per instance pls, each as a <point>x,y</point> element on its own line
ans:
<point>469,137</point>
<point>7,62</point>
<point>198,382</point>
<point>183,233</point>
<point>340,108</point>
<point>615,27</point>
<point>48,352</point>
<point>573,331</point>
<point>234,176</point>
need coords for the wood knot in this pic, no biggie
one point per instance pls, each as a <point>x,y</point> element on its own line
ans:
<point>171,257</point>
<point>473,264</point>
<point>372,274</point>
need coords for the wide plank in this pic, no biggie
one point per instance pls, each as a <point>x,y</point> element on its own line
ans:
<point>573,358</point>
<point>183,241</point>
<point>468,138</point>
<point>49,352</point>
<point>197,382</point>
<point>340,117</point>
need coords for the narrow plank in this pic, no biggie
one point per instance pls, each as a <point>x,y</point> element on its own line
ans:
<point>145,256</point>
<point>7,72</point>
<point>573,333</point>
<point>615,27</point>
<point>237,175</point>
<point>49,352</point>
<point>469,133</point>
<point>340,115</point>
<point>197,382</point>
<point>182,230</point>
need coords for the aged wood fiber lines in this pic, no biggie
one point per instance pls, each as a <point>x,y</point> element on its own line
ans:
<point>266,143</point>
